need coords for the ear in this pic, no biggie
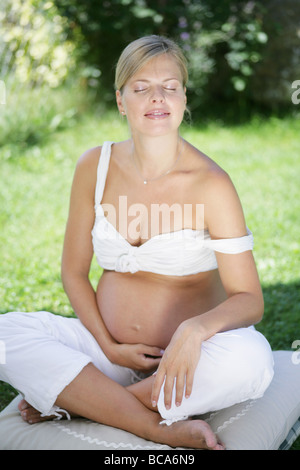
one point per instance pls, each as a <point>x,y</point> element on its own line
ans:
<point>120,102</point>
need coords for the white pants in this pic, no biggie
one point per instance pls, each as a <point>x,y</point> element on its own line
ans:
<point>44,352</point>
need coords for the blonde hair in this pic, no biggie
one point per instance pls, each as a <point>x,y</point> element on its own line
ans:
<point>140,51</point>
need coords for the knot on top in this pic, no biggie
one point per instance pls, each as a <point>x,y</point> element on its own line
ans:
<point>127,262</point>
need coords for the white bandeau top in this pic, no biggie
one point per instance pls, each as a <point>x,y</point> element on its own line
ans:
<point>178,253</point>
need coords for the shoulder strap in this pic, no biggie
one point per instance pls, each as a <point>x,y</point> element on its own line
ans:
<point>102,171</point>
<point>232,245</point>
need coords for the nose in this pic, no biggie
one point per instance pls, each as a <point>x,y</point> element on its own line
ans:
<point>157,95</point>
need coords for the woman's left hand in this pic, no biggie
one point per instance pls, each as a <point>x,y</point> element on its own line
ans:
<point>179,362</point>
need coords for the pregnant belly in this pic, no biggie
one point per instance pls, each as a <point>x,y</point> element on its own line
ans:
<point>147,309</point>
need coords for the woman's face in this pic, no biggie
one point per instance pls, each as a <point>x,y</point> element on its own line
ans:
<point>154,98</point>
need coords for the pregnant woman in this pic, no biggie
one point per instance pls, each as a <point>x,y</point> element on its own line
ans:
<point>169,332</point>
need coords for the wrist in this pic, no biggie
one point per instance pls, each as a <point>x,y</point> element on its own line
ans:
<point>195,326</point>
<point>106,342</point>
<point>109,348</point>
<point>112,353</point>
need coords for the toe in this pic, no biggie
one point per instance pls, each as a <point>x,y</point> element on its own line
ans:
<point>209,436</point>
<point>31,416</point>
<point>23,405</point>
<point>219,447</point>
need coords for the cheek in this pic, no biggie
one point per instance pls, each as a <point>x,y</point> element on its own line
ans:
<point>129,103</point>
<point>179,101</point>
<point>131,106</point>
<point>180,106</point>
<point>133,113</point>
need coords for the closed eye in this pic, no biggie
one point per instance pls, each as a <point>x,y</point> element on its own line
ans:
<point>145,89</point>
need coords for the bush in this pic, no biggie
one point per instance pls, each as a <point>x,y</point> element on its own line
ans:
<point>31,115</point>
<point>222,40</point>
<point>34,44</point>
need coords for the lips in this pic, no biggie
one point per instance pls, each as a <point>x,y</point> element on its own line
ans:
<point>157,114</point>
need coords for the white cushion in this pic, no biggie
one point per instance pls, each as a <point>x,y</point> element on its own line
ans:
<point>262,424</point>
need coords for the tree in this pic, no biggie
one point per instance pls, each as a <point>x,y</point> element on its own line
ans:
<point>222,40</point>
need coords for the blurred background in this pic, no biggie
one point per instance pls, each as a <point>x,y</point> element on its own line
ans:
<point>243,56</point>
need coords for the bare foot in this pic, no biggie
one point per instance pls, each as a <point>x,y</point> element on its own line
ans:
<point>189,433</point>
<point>31,415</point>
<point>196,434</point>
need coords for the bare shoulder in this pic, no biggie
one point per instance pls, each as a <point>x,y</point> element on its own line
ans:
<point>89,160</point>
<point>86,167</point>
<point>224,212</point>
<point>222,207</point>
<point>206,172</point>
<point>85,176</point>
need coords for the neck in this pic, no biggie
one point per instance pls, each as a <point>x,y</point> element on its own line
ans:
<point>155,155</point>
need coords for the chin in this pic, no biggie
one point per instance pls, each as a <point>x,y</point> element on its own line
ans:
<point>160,129</point>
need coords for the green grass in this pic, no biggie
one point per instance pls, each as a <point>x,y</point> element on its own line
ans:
<point>262,158</point>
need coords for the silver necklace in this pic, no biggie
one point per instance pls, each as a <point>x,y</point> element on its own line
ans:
<point>146,181</point>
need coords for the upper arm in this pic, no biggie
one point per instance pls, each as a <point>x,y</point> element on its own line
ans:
<point>225,219</point>
<point>222,207</point>
<point>78,249</point>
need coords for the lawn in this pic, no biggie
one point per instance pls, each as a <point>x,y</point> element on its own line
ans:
<point>262,158</point>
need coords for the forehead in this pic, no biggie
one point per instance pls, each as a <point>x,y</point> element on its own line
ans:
<point>161,67</point>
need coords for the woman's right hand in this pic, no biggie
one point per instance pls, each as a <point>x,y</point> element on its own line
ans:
<point>136,356</point>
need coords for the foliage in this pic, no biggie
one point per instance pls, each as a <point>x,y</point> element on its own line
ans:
<point>271,83</point>
<point>34,47</point>
<point>31,116</point>
<point>222,40</point>
<point>230,45</point>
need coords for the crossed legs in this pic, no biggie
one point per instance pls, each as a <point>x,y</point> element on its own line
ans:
<point>94,396</point>
<point>57,349</point>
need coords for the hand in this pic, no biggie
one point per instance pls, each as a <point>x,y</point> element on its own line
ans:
<point>178,362</point>
<point>137,356</point>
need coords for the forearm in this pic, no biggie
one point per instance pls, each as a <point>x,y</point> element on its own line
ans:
<point>83,300</point>
<point>240,310</point>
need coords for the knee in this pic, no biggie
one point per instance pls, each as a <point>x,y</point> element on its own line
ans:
<point>254,350</point>
<point>253,361</point>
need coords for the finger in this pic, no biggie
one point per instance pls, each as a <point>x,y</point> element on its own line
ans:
<point>153,351</point>
<point>156,387</point>
<point>168,390</point>
<point>149,363</point>
<point>180,380</point>
<point>189,383</point>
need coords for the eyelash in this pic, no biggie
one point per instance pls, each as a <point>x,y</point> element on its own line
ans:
<point>145,89</point>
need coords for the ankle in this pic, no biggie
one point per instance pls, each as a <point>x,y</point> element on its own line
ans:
<point>142,391</point>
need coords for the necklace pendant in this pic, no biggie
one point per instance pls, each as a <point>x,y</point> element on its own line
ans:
<point>145,181</point>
